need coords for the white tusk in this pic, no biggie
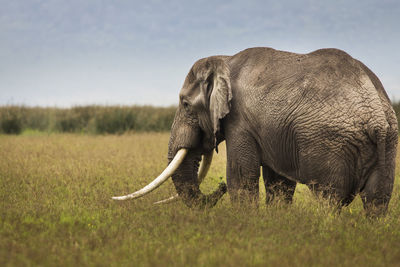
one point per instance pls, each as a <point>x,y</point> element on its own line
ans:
<point>204,167</point>
<point>180,155</point>
<point>167,200</point>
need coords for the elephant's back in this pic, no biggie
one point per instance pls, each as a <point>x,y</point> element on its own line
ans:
<point>324,81</point>
<point>267,68</point>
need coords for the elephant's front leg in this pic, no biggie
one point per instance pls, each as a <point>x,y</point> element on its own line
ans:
<point>243,169</point>
<point>277,185</point>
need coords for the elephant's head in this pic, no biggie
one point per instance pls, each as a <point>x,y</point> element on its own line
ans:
<point>204,101</point>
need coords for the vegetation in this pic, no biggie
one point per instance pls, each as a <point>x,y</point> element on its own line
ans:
<point>396,106</point>
<point>86,119</point>
<point>56,210</point>
<point>91,119</point>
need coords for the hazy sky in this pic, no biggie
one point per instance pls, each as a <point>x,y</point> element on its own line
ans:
<point>79,52</point>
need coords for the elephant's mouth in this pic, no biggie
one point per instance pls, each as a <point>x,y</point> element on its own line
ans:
<point>188,190</point>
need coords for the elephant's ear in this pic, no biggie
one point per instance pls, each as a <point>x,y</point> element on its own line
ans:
<point>221,95</point>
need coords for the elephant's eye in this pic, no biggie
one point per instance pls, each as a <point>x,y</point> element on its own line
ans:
<point>185,104</point>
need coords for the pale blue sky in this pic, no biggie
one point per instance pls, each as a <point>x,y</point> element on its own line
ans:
<point>78,52</point>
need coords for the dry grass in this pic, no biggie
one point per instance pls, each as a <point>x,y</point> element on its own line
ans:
<point>56,210</point>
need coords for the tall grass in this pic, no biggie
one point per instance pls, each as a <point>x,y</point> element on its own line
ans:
<point>86,119</point>
<point>56,210</point>
<point>396,107</point>
<point>92,119</point>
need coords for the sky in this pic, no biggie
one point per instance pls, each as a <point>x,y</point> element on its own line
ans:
<point>68,53</point>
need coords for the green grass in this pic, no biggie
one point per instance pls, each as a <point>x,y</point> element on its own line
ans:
<point>55,209</point>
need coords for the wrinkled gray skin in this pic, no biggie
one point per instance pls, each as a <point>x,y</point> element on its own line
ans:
<point>321,119</point>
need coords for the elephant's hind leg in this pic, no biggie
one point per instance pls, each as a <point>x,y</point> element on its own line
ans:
<point>378,188</point>
<point>376,193</point>
<point>277,185</point>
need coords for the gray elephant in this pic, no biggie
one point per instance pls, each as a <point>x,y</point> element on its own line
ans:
<point>322,119</point>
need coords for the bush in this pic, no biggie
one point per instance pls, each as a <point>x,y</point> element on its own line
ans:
<point>86,119</point>
<point>396,107</point>
<point>11,120</point>
<point>114,120</point>
<point>93,119</point>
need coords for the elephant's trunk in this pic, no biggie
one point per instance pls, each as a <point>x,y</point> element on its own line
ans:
<point>187,183</point>
<point>204,167</point>
<point>188,135</point>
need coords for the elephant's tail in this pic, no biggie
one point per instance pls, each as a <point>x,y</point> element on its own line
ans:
<point>377,133</point>
<point>381,147</point>
<point>384,134</point>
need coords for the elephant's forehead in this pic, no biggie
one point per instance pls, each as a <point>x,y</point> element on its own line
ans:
<point>188,90</point>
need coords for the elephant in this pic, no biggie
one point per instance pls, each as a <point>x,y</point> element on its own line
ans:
<point>322,119</point>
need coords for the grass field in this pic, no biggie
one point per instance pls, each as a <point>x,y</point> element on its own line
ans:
<point>55,209</point>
